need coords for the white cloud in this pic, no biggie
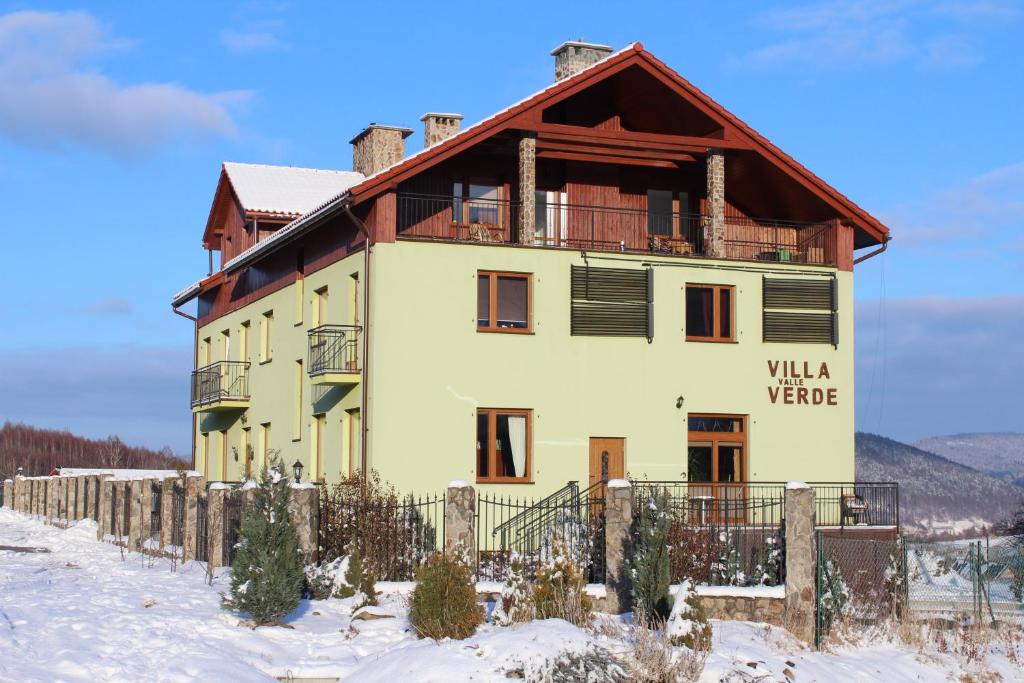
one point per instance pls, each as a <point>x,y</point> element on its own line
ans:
<point>250,41</point>
<point>114,305</point>
<point>878,32</point>
<point>51,97</point>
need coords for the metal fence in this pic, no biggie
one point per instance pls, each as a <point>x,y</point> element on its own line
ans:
<point>507,526</point>
<point>202,530</point>
<point>966,582</point>
<point>155,508</point>
<point>394,536</point>
<point>858,581</point>
<point>719,535</point>
<point>232,519</point>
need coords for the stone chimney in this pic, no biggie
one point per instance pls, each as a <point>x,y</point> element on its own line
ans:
<point>438,127</point>
<point>573,56</point>
<point>378,146</point>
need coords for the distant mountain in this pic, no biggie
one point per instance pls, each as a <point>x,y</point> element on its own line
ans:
<point>38,451</point>
<point>1000,454</point>
<point>938,497</point>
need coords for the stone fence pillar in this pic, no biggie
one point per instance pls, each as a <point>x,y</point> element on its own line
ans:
<point>9,493</point>
<point>460,518</point>
<point>105,493</point>
<point>217,495</point>
<point>134,490</point>
<point>618,522</point>
<point>800,560</point>
<point>62,501</point>
<point>81,509</point>
<point>194,487</point>
<point>305,512</point>
<point>52,495</point>
<point>167,510</point>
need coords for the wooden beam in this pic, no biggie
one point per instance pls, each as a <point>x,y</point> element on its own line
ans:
<point>604,159</point>
<point>609,150</point>
<point>673,141</point>
<point>603,143</point>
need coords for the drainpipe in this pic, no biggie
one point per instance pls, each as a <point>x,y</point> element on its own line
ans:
<point>365,407</point>
<point>876,252</point>
<point>195,360</point>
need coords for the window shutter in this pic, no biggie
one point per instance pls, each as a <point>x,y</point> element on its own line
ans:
<point>611,302</point>
<point>800,310</point>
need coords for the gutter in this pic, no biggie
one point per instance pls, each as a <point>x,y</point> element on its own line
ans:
<point>876,252</point>
<point>195,363</point>
<point>364,417</point>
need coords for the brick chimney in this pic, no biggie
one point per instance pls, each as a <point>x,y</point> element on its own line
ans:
<point>573,56</point>
<point>437,127</point>
<point>378,146</point>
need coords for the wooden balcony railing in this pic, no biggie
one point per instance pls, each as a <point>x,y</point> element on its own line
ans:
<point>605,228</point>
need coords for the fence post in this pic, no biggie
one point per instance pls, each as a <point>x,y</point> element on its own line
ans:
<point>305,512</point>
<point>193,488</point>
<point>800,560</point>
<point>61,504</point>
<point>618,520</point>
<point>18,494</point>
<point>134,490</point>
<point>52,496</point>
<point>146,513</point>
<point>460,518</point>
<point>215,523</point>
<point>166,511</point>
<point>9,494</point>
<point>106,490</point>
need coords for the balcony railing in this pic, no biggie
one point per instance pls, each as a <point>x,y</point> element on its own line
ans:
<point>223,381</point>
<point>333,349</point>
<point>605,228</point>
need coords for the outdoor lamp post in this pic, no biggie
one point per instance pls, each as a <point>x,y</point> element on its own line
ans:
<point>298,471</point>
<point>21,471</point>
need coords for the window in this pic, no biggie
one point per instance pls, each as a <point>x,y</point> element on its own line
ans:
<point>264,446</point>
<point>503,445</point>
<point>319,311</point>
<point>316,450</point>
<point>552,218</point>
<point>225,345</point>
<point>243,341</point>
<point>300,269</point>
<point>353,290</point>
<point>204,452</point>
<point>246,452</point>
<point>800,310</point>
<point>710,314</point>
<point>667,213</point>
<point>355,440</point>
<point>612,302</point>
<point>266,353</point>
<point>204,352</point>
<point>297,413</point>
<point>223,476</point>
<point>503,302</point>
<point>476,203</point>
<point>717,448</point>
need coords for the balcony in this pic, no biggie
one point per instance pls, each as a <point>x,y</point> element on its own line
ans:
<point>334,354</point>
<point>606,228</point>
<point>223,385</point>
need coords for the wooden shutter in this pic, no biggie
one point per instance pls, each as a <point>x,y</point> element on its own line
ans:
<point>800,310</point>
<point>612,302</point>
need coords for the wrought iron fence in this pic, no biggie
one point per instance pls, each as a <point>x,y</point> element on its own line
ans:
<point>393,536</point>
<point>719,534</point>
<point>232,519</point>
<point>220,381</point>
<point>333,348</point>
<point>858,581</point>
<point>202,529</point>
<point>857,504</point>
<point>155,508</point>
<point>126,512</point>
<point>509,526</point>
<point>112,530</point>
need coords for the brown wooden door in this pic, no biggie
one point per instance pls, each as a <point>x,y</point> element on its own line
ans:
<point>607,458</point>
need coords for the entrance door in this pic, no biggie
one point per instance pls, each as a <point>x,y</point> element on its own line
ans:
<point>607,459</point>
<point>716,468</point>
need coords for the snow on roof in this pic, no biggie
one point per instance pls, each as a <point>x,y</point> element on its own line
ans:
<point>287,190</point>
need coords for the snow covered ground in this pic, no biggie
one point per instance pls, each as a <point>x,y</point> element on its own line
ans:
<point>83,613</point>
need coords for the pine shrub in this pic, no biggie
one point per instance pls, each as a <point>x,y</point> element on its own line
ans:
<point>688,625</point>
<point>559,591</point>
<point>359,582</point>
<point>267,575</point>
<point>443,603</point>
<point>651,600</point>
<point>515,604</point>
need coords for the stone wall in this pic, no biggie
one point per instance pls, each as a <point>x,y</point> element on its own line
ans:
<point>745,608</point>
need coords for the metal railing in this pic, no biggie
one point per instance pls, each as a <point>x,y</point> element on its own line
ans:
<point>333,348</point>
<point>608,228</point>
<point>232,520</point>
<point>202,528</point>
<point>875,504</point>
<point>155,511</point>
<point>221,381</point>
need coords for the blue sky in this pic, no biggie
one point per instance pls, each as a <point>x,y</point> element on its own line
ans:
<point>114,119</point>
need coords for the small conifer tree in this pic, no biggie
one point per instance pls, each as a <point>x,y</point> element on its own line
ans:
<point>651,600</point>
<point>359,582</point>
<point>688,624</point>
<point>443,604</point>
<point>559,591</point>
<point>267,575</point>
<point>515,604</point>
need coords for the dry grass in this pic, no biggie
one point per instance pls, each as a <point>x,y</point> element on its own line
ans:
<point>653,659</point>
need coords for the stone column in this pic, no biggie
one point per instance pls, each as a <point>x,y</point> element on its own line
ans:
<point>81,511</point>
<point>527,188</point>
<point>167,511</point>
<point>460,518</point>
<point>52,498</point>
<point>62,501</point>
<point>193,488</point>
<point>36,497</point>
<point>800,560</point>
<point>134,490</point>
<point>9,493</point>
<point>618,521</point>
<point>105,493</point>
<point>304,508</point>
<point>714,222</point>
<point>215,522</point>
<point>146,512</point>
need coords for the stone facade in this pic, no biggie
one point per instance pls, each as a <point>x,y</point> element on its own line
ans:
<point>377,147</point>
<point>215,524</point>
<point>460,518</point>
<point>527,189</point>
<point>800,562</point>
<point>305,512</point>
<point>745,608</point>
<point>715,221</point>
<point>618,520</point>
<point>439,127</point>
<point>573,56</point>
<point>194,486</point>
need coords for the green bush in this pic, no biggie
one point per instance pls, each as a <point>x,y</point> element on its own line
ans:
<point>443,603</point>
<point>359,582</point>
<point>267,575</point>
<point>688,624</point>
<point>651,600</point>
<point>559,589</point>
<point>515,605</point>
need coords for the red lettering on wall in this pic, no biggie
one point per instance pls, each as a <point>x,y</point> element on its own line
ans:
<point>773,367</point>
<point>801,395</point>
<point>773,394</point>
<point>833,398</point>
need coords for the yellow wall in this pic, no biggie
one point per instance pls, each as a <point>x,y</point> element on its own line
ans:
<point>272,383</point>
<point>431,369</point>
